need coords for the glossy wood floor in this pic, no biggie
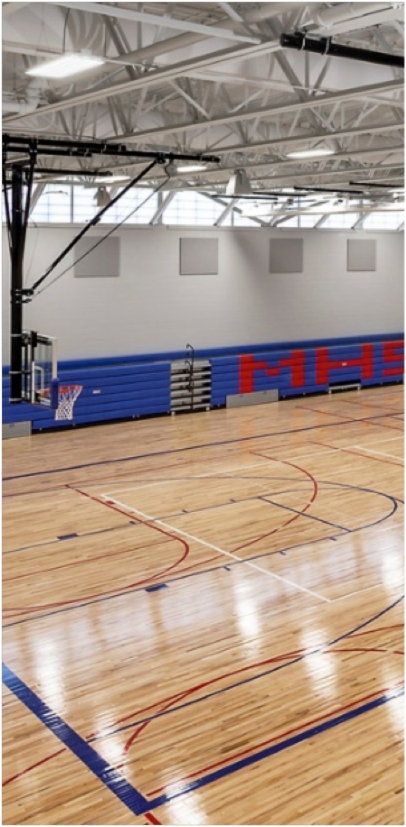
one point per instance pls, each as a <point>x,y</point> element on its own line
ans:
<point>203,618</point>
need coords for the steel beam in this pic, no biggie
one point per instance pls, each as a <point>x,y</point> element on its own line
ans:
<point>310,138</point>
<point>158,20</point>
<point>10,8</point>
<point>155,76</point>
<point>268,112</point>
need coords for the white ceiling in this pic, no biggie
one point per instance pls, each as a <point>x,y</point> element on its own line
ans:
<point>212,77</point>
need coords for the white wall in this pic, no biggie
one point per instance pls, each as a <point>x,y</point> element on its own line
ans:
<point>150,308</point>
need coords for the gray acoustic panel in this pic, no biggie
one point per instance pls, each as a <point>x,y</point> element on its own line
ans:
<point>361,254</point>
<point>286,255</point>
<point>103,262</point>
<point>198,257</point>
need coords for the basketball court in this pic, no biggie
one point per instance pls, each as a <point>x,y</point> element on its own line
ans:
<point>203,544</point>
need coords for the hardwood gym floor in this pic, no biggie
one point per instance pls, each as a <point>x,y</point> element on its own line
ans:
<point>203,618</point>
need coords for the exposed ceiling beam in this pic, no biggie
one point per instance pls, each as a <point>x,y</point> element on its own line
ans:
<point>158,76</point>
<point>310,138</point>
<point>332,211</point>
<point>392,12</point>
<point>395,173</point>
<point>270,166</point>
<point>42,51</point>
<point>10,8</point>
<point>181,41</point>
<point>332,174</point>
<point>231,12</point>
<point>159,20</point>
<point>271,111</point>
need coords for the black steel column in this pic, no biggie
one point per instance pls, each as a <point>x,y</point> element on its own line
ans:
<point>17,257</point>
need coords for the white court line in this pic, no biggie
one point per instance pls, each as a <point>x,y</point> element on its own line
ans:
<point>390,439</point>
<point>361,591</point>
<point>300,456</point>
<point>220,550</point>
<point>183,479</point>
<point>381,453</point>
<point>215,474</point>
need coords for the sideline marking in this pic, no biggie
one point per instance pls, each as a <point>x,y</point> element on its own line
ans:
<point>265,753</point>
<point>194,447</point>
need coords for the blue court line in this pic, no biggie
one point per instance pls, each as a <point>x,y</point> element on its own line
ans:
<point>267,672</point>
<point>142,588</point>
<point>108,776</point>
<point>394,500</point>
<point>229,502</point>
<point>156,587</point>
<point>272,750</point>
<point>79,536</point>
<point>121,788</point>
<point>302,514</point>
<point>192,448</point>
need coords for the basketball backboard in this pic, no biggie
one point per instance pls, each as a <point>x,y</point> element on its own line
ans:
<point>39,366</point>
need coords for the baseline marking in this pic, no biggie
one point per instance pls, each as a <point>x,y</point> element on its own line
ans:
<point>108,776</point>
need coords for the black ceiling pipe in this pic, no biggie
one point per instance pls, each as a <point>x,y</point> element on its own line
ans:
<point>71,148</point>
<point>325,46</point>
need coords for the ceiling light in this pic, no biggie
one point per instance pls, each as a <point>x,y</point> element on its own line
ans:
<point>102,197</point>
<point>65,66</point>
<point>193,168</point>
<point>310,153</point>
<point>110,179</point>
<point>239,184</point>
<point>171,168</point>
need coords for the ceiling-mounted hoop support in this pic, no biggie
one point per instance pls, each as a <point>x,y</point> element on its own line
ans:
<point>18,176</point>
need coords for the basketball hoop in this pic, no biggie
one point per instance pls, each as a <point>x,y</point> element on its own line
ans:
<point>67,396</point>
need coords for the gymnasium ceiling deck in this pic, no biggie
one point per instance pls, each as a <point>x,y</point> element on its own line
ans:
<point>213,77</point>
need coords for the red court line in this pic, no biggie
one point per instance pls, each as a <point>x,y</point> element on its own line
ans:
<point>29,609</point>
<point>282,735</point>
<point>79,562</point>
<point>152,819</point>
<point>350,419</point>
<point>380,425</point>
<point>168,701</point>
<point>103,480</point>
<point>32,767</point>
<point>373,631</point>
<point>377,406</point>
<point>357,454</point>
<point>291,519</point>
<point>327,413</point>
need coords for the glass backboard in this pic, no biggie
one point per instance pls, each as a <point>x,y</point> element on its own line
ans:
<point>39,368</point>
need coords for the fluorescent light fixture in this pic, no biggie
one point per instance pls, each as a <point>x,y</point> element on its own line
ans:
<point>193,168</point>
<point>110,179</point>
<point>65,66</point>
<point>310,153</point>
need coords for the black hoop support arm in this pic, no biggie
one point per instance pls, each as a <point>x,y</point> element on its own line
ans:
<point>29,292</point>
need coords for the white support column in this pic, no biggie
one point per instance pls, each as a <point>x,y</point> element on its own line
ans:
<point>320,222</point>
<point>157,217</point>
<point>229,208</point>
